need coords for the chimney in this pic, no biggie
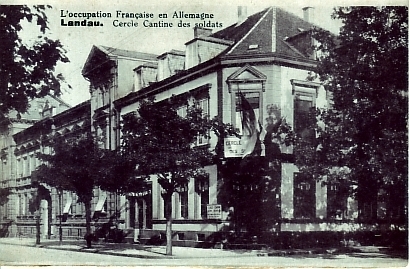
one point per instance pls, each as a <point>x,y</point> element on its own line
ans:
<point>242,14</point>
<point>308,14</point>
<point>199,31</point>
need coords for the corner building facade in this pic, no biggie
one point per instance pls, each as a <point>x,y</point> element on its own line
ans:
<point>267,57</point>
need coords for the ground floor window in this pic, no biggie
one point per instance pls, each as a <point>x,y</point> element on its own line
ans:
<point>183,201</point>
<point>202,188</point>
<point>304,196</point>
<point>336,201</point>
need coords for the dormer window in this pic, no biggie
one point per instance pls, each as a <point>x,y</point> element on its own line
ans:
<point>253,47</point>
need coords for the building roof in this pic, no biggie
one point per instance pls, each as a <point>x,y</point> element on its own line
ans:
<point>265,32</point>
<point>128,53</point>
<point>70,115</point>
<point>236,32</point>
<point>100,55</point>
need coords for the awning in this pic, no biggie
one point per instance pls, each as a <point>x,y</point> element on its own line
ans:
<point>68,204</point>
<point>101,200</point>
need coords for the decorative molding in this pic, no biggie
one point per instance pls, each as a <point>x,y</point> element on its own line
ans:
<point>305,86</point>
<point>235,79</point>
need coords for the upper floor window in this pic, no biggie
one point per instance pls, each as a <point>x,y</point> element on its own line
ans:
<point>250,83</point>
<point>198,97</point>
<point>254,100</point>
<point>304,118</point>
<point>203,104</point>
<point>182,111</point>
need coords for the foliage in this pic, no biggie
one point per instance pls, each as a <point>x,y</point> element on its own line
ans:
<point>250,187</point>
<point>75,165</point>
<point>161,143</point>
<point>27,70</point>
<point>117,173</point>
<point>4,196</point>
<point>362,138</point>
<point>70,167</point>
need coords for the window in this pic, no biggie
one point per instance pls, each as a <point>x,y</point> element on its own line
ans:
<point>253,97</point>
<point>181,236</point>
<point>204,203</point>
<point>182,111</point>
<point>73,205</point>
<point>304,117</point>
<point>21,204</point>
<point>201,237</point>
<point>27,166</point>
<point>304,189</point>
<point>109,205</point>
<point>203,104</point>
<point>183,201</point>
<point>198,97</point>
<point>202,188</point>
<point>336,201</point>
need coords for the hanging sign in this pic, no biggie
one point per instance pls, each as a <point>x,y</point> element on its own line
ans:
<point>233,147</point>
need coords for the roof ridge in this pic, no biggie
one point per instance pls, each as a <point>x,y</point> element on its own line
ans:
<point>107,48</point>
<point>300,18</point>
<point>264,12</point>
<point>59,99</point>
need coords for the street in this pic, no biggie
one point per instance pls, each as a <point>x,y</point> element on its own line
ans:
<point>12,255</point>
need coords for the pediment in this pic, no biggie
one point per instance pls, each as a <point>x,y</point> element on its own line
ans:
<point>247,73</point>
<point>98,63</point>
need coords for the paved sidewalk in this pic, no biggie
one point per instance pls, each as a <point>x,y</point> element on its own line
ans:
<point>130,250</point>
<point>158,252</point>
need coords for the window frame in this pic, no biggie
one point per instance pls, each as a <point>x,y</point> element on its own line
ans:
<point>183,202</point>
<point>333,201</point>
<point>245,90</point>
<point>303,198</point>
<point>202,189</point>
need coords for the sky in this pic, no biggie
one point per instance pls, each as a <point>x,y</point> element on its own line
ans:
<point>78,41</point>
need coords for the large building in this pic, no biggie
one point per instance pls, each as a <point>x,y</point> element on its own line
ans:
<point>18,160</point>
<point>267,56</point>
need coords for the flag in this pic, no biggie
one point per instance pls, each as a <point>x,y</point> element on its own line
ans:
<point>251,129</point>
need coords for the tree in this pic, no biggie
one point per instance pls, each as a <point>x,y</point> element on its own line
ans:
<point>161,143</point>
<point>75,165</point>
<point>118,164</point>
<point>117,174</point>
<point>27,70</point>
<point>362,138</point>
<point>251,185</point>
